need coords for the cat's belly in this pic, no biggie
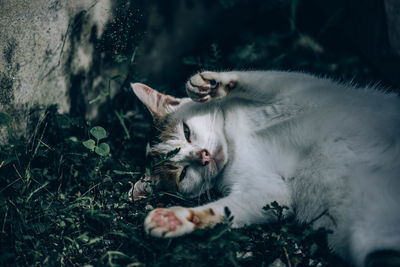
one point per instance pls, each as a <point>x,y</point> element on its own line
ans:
<point>257,157</point>
<point>259,138</point>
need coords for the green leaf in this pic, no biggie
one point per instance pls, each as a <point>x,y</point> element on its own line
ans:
<point>119,233</point>
<point>89,144</point>
<point>73,139</point>
<point>99,97</point>
<point>103,149</point>
<point>112,256</point>
<point>125,172</point>
<point>98,132</point>
<point>84,237</point>
<point>164,157</point>
<point>172,153</point>
<point>5,119</point>
<point>94,240</point>
<point>37,190</point>
<point>28,237</point>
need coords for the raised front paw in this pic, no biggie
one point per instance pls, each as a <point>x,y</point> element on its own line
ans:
<point>207,85</point>
<point>172,222</point>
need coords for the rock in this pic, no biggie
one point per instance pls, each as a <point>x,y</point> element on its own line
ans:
<point>48,55</point>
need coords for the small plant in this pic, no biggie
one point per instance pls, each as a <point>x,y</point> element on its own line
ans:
<point>101,149</point>
<point>163,157</point>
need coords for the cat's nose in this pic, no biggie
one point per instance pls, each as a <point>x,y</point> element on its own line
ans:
<point>205,157</point>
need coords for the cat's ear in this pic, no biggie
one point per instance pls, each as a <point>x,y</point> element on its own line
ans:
<point>158,104</point>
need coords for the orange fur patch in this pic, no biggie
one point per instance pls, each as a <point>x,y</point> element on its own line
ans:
<point>229,87</point>
<point>204,218</point>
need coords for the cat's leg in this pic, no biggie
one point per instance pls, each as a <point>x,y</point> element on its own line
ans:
<point>177,221</point>
<point>259,86</point>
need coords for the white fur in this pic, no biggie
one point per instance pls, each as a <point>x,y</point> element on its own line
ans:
<point>306,142</point>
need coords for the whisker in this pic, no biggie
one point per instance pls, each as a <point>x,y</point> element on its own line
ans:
<point>201,190</point>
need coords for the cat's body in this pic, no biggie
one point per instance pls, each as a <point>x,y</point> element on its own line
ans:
<point>307,143</point>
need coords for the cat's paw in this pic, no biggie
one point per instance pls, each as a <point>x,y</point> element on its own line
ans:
<point>208,85</point>
<point>171,222</point>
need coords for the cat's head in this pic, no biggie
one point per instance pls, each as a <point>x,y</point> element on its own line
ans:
<point>197,130</point>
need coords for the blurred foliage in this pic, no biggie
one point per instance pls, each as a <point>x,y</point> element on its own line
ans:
<point>64,189</point>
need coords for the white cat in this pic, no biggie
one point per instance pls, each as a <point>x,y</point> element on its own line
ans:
<point>308,143</point>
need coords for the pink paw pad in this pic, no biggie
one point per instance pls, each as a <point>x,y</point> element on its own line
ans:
<point>165,218</point>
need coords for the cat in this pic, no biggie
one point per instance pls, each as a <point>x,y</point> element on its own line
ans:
<point>308,143</point>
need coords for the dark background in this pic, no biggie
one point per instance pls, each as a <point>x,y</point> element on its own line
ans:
<point>345,40</point>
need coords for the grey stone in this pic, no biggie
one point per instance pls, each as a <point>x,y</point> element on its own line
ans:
<point>47,54</point>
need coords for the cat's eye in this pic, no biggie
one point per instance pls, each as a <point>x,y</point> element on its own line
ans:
<point>186,132</point>
<point>183,174</point>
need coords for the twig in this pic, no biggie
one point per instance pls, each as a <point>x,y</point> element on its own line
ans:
<point>40,139</point>
<point>287,257</point>
<point>121,120</point>
<point>37,190</point>
<point>7,186</point>
<point>51,203</point>
<point>90,189</point>
<point>46,145</point>
<point>176,196</point>
<point>48,191</point>
<point>60,179</point>
<point>33,137</point>
<point>63,44</point>
<point>18,211</point>
<point>4,222</point>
